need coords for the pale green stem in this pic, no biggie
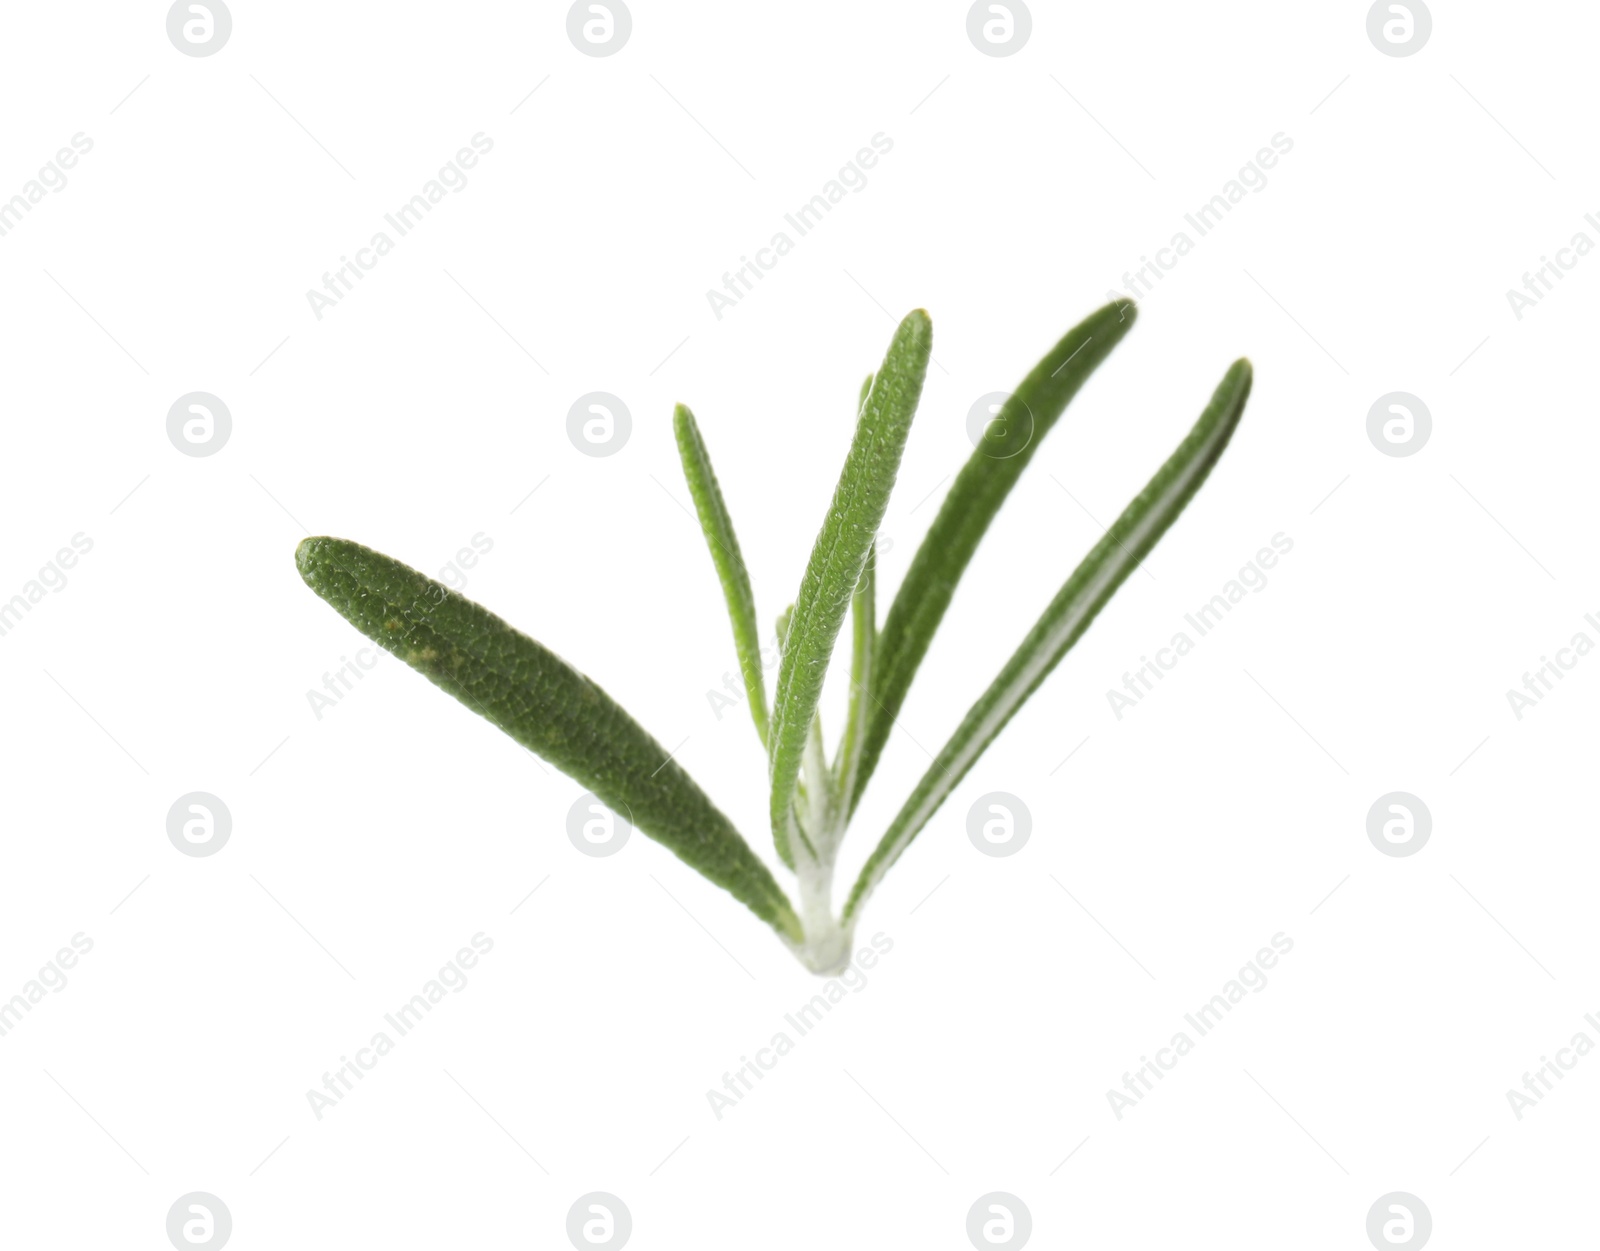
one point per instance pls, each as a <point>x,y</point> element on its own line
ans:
<point>826,948</point>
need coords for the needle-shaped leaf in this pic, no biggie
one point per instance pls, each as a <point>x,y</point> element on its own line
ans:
<point>1009,442</point>
<point>863,651</point>
<point>863,647</point>
<point>1124,545</point>
<point>838,556</point>
<point>544,704</point>
<point>718,527</point>
<point>784,850</point>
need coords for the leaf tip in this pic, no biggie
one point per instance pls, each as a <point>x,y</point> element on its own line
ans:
<point>308,551</point>
<point>915,334</point>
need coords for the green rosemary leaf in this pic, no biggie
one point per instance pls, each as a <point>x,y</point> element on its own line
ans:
<point>863,653</point>
<point>838,557</point>
<point>815,800</point>
<point>976,495</point>
<point>785,852</point>
<point>1124,545</point>
<point>718,527</point>
<point>546,705</point>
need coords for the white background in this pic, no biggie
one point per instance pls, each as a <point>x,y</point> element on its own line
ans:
<point>368,845</point>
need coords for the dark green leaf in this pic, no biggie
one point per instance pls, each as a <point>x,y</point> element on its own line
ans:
<point>976,495</point>
<point>1091,585</point>
<point>838,557</point>
<point>718,527</point>
<point>546,705</point>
